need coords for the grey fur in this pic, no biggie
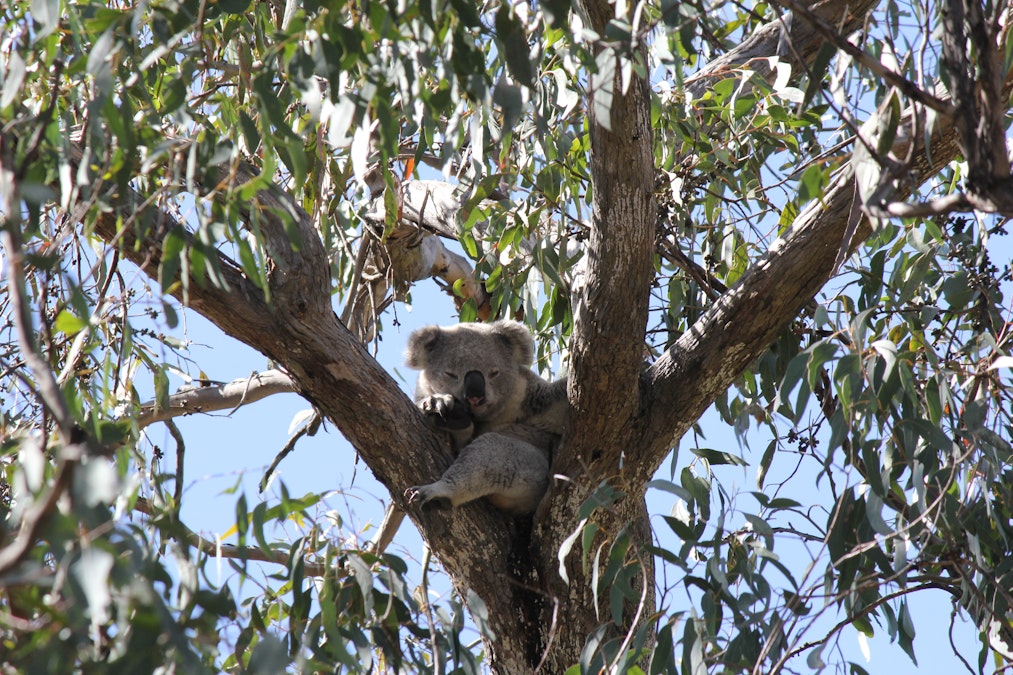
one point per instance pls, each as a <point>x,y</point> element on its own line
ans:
<point>504,438</point>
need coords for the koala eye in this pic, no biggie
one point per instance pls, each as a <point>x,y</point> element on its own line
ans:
<point>493,373</point>
<point>452,376</point>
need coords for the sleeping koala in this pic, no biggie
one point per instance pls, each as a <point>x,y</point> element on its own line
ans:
<point>476,383</point>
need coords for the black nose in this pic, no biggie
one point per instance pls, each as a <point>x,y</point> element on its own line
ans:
<point>474,387</point>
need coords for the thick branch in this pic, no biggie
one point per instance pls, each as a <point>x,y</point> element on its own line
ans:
<point>611,313</point>
<point>973,62</point>
<point>238,308</point>
<point>831,33</point>
<point>606,350</point>
<point>609,426</point>
<point>299,269</point>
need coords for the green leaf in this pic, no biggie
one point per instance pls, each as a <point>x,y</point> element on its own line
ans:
<point>172,95</point>
<point>670,487</point>
<point>98,55</point>
<point>663,655</point>
<point>514,43</point>
<point>47,15</point>
<point>269,656</point>
<point>603,87</point>
<point>363,578</point>
<point>234,6</point>
<point>69,324</point>
<point>863,626</point>
<point>242,520</point>
<point>797,367</point>
<point>819,354</point>
<point>604,496</point>
<point>259,519</point>
<point>761,527</point>
<point>510,98</point>
<point>268,101</point>
<point>716,457</point>
<point>480,615</point>
<point>161,384</point>
<point>765,461</point>
<point>172,256</point>
<point>906,632</point>
<point>818,70</point>
<point>681,529</point>
<point>91,571</point>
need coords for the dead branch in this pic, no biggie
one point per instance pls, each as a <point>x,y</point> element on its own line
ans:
<point>206,397</point>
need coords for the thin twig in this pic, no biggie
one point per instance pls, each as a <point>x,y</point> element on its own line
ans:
<point>177,490</point>
<point>426,557</point>
<point>309,429</point>
<point>217,549</point>
<point>909,88</point>
<point>40,509</point>
<point>47,387</point>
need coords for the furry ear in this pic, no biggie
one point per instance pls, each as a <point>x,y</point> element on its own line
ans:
<point>421,345</point>
<point>517,338</point>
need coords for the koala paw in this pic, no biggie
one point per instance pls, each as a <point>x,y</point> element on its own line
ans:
<point>446,412</point>
<point>424,496</point>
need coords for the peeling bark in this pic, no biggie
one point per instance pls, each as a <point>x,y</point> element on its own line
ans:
<point>390,263</point>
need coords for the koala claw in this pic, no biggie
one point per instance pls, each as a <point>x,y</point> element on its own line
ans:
<point>446,412</point>
<point>422,496</point>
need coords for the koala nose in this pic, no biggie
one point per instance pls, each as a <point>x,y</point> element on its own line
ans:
<point>474,387</point>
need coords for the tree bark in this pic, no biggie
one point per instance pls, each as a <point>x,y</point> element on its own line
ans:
<point>613,435</point>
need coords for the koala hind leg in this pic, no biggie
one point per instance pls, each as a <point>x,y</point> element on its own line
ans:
<point>512,473</point>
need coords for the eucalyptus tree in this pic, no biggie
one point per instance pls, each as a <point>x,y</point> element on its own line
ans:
<point>789,212</point>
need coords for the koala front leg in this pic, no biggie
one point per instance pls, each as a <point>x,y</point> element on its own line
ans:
<point>444,412</point>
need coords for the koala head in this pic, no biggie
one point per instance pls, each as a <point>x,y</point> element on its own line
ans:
<point>485,365</point>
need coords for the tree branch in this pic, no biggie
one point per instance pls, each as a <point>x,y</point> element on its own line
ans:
<point>610,316</point>
<point>208,397</point>
<point>767,41</point>
<point>216,549</point>
<point>611,431</point>
<point>836,38</point>
<point>300,331</point>
<point>734,331</point>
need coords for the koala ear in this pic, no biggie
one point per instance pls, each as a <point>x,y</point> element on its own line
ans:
<point>518,338</point>
<point>422,343</point>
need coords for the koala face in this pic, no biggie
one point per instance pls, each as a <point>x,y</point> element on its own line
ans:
<point>481,364</point>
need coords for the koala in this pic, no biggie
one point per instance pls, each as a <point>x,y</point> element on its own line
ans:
<point>476,383</point>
